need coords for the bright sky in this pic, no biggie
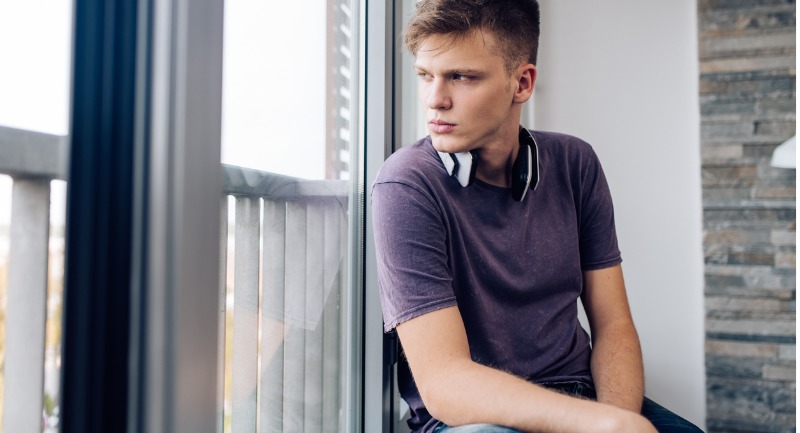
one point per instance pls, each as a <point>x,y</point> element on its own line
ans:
<point>274,86</point>
<point>35,39</point>
<point>273,90</point>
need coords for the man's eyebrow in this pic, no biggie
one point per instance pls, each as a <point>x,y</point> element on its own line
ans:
<point>453,71</point>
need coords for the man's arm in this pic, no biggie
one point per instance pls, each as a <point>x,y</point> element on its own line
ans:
<point>458,391</point>
<point>616,355</point>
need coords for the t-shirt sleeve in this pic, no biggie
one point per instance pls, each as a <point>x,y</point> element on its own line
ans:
<point>598,234</point>
<point>410,241</point>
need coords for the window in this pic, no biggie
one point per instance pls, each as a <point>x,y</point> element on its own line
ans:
<point>222,271</point>
<point>291,167</point>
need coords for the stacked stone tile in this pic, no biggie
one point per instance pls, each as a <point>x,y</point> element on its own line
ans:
<point>747,103</point>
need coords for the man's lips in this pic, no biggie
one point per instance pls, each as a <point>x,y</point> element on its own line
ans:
<point>440,127</point>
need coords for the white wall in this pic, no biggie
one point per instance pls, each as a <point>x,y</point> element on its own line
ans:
<point>622,74</point>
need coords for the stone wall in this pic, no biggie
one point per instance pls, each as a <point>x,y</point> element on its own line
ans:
<point>747,103</point>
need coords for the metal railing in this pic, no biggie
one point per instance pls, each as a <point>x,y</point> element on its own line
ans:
<point>32,159</point>
<point>286,328</point>
<point>302,227</point>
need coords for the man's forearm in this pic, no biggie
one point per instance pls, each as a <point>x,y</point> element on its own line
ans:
<point>617,367</point>
<point>471,393</point>
<point>457,391</point>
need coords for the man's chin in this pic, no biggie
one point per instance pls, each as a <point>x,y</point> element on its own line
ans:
<point>448,146</point>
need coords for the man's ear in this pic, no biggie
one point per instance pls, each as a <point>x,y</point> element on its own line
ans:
<point>525,77</point>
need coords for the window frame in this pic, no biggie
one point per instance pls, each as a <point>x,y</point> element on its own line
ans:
<point>171,114</point>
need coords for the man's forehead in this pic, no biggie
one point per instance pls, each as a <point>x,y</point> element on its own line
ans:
<point>463,51</point>
<point>437,44</point>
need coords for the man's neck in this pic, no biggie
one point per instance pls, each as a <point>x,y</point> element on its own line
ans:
<point>496,161</point>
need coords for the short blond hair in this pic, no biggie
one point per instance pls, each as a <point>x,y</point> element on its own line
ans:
<point>513,23</point>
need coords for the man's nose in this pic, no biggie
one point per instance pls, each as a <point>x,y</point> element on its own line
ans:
<point>438,97</point>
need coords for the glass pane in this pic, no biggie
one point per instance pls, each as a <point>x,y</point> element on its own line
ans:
<point>289,145</point>
<point>5,224</point>
<point>35,43</point>
<point>411,120</point>
<point>54,305</point>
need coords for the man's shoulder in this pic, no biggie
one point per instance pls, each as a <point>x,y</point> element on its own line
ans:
<point>412,164</point>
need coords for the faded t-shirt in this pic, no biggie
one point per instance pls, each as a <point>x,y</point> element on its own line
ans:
<point>514,269</point>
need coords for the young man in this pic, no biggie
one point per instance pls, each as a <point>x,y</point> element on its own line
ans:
<point>481,281</point>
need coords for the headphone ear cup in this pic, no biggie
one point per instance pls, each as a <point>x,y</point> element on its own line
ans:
<point>521,173</point>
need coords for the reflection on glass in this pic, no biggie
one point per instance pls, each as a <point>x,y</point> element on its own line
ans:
<point>289,149</point>
<point>5,224</point>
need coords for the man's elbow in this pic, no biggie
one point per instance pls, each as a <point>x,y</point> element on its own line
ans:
<point>445,396</point>
<point>439,404</point>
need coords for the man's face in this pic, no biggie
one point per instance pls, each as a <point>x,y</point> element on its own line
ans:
<point>466,91</point>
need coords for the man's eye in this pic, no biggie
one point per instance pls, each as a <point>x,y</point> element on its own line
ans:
<point>461,77</point>
<point>423,75</point>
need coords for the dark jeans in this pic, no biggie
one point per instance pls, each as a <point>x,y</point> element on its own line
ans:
<point>662,419</point>
<point>665,421</point>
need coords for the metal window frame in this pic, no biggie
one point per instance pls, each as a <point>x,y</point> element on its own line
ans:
<point>379,131</point>
<point>145,160</point>
<point>179,255</point>
<point>98,238</point>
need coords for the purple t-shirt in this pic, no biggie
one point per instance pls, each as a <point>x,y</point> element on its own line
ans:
<point>514,269</point>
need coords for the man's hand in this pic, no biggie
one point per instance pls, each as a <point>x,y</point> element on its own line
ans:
<point>458,391</point>
<point>630,422</point>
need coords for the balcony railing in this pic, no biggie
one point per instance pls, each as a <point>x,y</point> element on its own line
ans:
<point>285,336</point>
